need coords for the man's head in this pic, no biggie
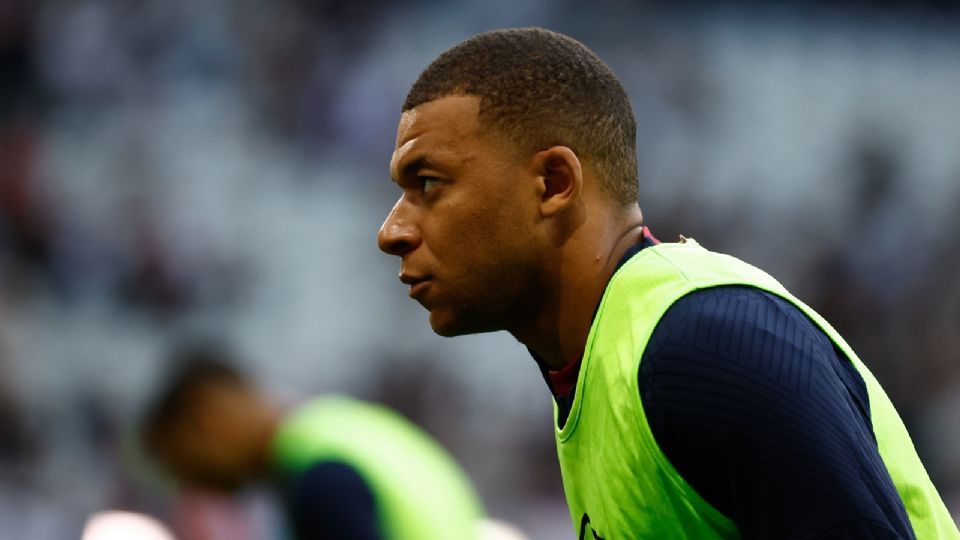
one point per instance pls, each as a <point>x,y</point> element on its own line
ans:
<point>508,142</point>
<point>209,426</point>
<point>541,89</point>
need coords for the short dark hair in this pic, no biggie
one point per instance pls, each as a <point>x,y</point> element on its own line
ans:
<point>542,89</point>
<point>194,366</point>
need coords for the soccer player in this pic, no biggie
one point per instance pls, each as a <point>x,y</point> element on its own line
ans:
<point>695,397</point>
<point>343,468</point>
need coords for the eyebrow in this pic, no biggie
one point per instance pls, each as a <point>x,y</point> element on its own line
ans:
<point>414,165</point>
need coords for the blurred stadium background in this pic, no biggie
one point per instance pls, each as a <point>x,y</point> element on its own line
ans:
<point>172,168</point>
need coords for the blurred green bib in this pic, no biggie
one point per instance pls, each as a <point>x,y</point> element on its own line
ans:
<point>618,483</point>
<point>419,492</point>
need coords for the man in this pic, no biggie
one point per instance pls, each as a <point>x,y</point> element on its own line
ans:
<point>694,396</point>
<point>344,469</point>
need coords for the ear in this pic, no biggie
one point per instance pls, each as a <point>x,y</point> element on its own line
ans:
<point>560,179</point>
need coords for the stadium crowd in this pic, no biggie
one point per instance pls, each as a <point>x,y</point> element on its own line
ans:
<point>180,168</point>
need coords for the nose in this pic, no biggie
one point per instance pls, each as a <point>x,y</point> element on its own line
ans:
<point>398,235</point>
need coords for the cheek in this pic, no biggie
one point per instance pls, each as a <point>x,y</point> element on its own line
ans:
<point>475,228</point>
<point>474,239</point>
<point>450,226</point>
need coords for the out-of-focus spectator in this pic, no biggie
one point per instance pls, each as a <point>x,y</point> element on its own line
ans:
<point>26,216</point>
<point>18,445</point>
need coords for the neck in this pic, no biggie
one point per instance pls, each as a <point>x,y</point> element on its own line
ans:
<point>264,458</point>
<point>558,332</point>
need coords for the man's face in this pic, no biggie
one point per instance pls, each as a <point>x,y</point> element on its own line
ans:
<point>209,444</point>
<point>465,226</point>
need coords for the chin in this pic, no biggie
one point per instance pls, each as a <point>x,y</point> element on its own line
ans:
<point>445,327</point>
<point>448,324</point>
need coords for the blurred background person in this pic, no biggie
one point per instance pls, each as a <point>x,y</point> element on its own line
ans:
<point>343,468</point>
<point>173,167</point>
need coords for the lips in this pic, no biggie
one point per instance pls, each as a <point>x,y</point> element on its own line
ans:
<point>418,283</point>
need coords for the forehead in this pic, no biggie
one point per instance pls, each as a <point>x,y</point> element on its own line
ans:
<point>447,128</point>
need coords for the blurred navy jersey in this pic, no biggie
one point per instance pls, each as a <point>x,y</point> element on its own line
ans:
<point>331,500</point>
<point>710,377</point>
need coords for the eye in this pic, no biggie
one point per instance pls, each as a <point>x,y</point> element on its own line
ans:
<point>428,183</point>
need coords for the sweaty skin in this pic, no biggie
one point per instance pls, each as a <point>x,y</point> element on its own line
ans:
<point>493,236</point>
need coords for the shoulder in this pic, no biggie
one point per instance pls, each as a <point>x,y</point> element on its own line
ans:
<point>331,499</point>
<point>741,327</point>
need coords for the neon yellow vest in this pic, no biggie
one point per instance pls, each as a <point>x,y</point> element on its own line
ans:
<point>419,492</point>
<point>618,483</point>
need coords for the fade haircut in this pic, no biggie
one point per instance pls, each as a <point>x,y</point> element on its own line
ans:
<point>543,89</point>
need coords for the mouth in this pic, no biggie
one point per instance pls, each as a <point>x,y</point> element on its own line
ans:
<point>418,289</point>
<point>418,284</point>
